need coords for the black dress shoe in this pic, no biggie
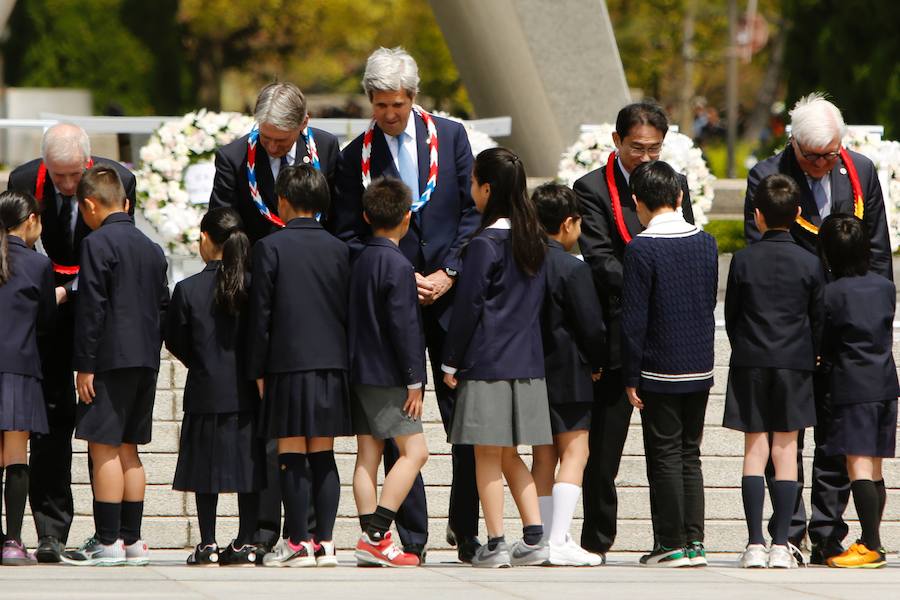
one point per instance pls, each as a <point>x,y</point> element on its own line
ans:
<point>820,553</point>
<point>417,549</point>
<point>467,549</point>
<point>49,550</point>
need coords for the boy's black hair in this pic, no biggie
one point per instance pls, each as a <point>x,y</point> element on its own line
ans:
<point>555,203</point>
<point>102,184</point>
<point>655,184</point>
<point>304,188</point>
<point>777,198</point>
<point>844,245</point>
<point>385,202</point>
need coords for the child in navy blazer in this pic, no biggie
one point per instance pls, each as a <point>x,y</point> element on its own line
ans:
<point>857,346</point>
<point>219,449</point>
<point>28,306</point>
<point>773,315</point>
<point>387,366</point>
<point>297,351</point>
<point>494,354</point>
<point>574,339</point>
<point>121,304</point>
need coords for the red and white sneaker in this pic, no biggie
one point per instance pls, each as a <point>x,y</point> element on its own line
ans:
<point>382,554</point>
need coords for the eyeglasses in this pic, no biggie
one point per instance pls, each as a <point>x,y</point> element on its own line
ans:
<point>638,151</point>
<point>814,157</point>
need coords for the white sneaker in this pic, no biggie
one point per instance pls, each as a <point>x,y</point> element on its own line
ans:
<point>137,554</point>
<point>282,555</point>
<point>781,557</point>
<point>570,554</point>
<point>325,555</point>
<point>754,556</point>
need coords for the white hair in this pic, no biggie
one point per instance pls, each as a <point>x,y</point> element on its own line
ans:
<point>66,143</point>
<point>281,105</point>
<point>816,122</point>
<point>391,69</point>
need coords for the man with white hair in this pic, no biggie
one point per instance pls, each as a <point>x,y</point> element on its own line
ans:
<point>432,156</point>
<point>53,179</point>
<point>282,137</point>
<point>831,179</point>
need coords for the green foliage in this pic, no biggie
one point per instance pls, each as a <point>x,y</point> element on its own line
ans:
<point>716,155</point>
<point>729,235</point>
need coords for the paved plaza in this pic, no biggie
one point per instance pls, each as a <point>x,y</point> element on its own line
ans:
<point>167,577</point>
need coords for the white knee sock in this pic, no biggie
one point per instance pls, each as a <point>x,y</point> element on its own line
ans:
<point>565,498</point>
<point>545,503</point>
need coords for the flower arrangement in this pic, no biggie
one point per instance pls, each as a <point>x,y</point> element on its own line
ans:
<point>173,148</point>
<point>591,150</point>
<point>886,156</point>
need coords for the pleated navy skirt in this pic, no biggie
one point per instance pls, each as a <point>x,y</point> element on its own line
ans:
<point>22,404</point>
<point>864,429</point>
<point>306,404</point>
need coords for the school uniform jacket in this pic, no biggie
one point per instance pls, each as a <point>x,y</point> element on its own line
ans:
<point>231,186</point>
<point>122,299</point>
<point>387,344</point>
<point>211,343</point>
<point>773,305</point>
<point>495,330</point>
<point>572,328</point>
<point>28,305</point>
<point>297,316</point>
<point>785,163</point>
<point>603,248</point>
<point>858,339</point>
<point>441,228</point>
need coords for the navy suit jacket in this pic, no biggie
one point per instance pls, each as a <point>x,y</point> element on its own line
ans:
<point>438,232</point>
<point>495,331</point>
<point>297,319</point>
<point>211,344</point>
<point>858,341</point>
<point>773,305</point>
<point>572,325</point>
<point>387,344</point>
<point>122,298</point>
<point>604,249</point>
<point>28,305</point>
<point>841,202</point>
<point>231,187</point>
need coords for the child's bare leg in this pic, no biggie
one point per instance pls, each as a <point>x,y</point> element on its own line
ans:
<point>14,448</point>
<point>489,479</point>
<point>109,490</point>
<point>573,451</point>
<point>326,486</point>
<point>543,470</point>
<point>753,484</point>
<point>133,497</point>
<point>400,479</point>
<point>365,473</point>
<point>784,489</point>
<point>521,486</point>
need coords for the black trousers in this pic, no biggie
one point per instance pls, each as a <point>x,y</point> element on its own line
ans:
<point>609,430</point>
<point>673,431</point>
<point>50,488</point>
<point>412,518</point>
<point>830,483</point>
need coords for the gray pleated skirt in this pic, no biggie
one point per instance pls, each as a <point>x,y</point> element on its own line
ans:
<point>378,411</point>
<point>501,413</point>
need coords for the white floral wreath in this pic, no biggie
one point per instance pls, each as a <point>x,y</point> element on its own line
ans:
<point>593,146</point>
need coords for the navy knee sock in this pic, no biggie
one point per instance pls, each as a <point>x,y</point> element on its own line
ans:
<point>753,492</point>
<point>784,498</point>
<point>107,521</point>
<point>15,493</point>
<point>248,516</point>
<point>295,481</point>
<point>865,497</point>
<point>326,492</point>
<point>206,516</point>
<point>132,515</point>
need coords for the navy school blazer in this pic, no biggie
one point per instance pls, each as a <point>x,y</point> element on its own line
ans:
<point>858,339</point>
<point>297,316</point>
<point>572,326</point>
<point>28,306</point>
<point>495,330</point>
<point>387,343</point>
<point>122,298</point>
<point>773,304</point>
<point>211,344</point>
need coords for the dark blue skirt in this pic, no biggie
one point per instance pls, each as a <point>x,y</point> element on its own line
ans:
<point>766,399</point>
<point>865,429</point>
<point>22,404</point>
<point>306,404</point>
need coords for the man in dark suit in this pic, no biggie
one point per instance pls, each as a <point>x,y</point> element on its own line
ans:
<point>53,179</point>
<point>609,221</point>
<point>397,144</point>
<point>815,160</point>
<point>284,138</point>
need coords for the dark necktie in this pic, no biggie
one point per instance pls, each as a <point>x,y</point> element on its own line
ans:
<point>65,221</point>
<point>284,163</point>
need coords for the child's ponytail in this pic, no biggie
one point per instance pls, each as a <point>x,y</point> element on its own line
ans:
<point>224,227</point>
<point>15,208</point>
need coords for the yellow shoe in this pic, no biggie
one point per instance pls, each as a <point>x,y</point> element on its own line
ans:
<point>857,556</point>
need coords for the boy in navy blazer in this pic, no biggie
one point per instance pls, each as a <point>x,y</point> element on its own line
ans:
<point>122,298</point>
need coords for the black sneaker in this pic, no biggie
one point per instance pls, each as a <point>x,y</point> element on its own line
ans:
<point>231,556</point>
<point>820,553</point>
<point>666,557</point>
<point>204,556</point>
<point>467,548</point>
<point>49,550</point>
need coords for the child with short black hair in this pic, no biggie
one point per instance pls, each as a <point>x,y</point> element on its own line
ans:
<point>219,451</point>
<point>28,306</point>
<point>773,315</point>
<point>122,298</point>
<point>387,365</point>
<point>297,352</point>
<point>857,347</point>
<point>574,339</point>
<point>668,329</point>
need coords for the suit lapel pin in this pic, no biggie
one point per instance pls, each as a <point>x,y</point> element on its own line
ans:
<point>843,171</point>
<point>306,160</point>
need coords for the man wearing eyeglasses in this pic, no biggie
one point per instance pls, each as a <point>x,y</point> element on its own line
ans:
<point>609,220</point>
<point>814,159</point>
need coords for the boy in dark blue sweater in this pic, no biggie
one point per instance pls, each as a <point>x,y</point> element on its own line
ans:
<point>668,328</point>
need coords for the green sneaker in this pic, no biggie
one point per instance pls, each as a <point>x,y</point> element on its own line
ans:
<point>696,554</point>
<point>666,557</point>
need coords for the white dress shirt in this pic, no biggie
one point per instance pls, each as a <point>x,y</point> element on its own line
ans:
<point>409,144</point>
<point>275,163</point>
